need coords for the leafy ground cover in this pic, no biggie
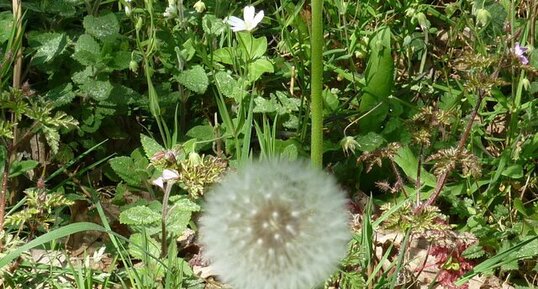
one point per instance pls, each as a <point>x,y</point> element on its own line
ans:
<point>119,116</point>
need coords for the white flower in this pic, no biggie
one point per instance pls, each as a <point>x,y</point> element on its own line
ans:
<point>275,224</point>
<point>250,21</point>
<point>168,176</point>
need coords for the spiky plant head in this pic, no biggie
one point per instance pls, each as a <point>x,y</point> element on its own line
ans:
<point>275,224</point>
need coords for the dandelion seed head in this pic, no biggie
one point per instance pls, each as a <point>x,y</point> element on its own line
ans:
<point>292,234</point>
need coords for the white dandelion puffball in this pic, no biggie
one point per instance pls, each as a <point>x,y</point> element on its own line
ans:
<point>275,225</point>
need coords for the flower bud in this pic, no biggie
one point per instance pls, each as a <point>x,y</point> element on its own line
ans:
<point>199,6</point>
<point>139,23</point>
<point>133,66</point>
<point>482,17</point>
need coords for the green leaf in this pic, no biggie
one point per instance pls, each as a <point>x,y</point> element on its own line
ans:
<point>141,244</point>
<point>279,103</point>
<point>184,204</point>
<point>54,45</point>
<point>264,105</point>
<point>254,47</point>
<point>379,81</point>
<point>229,87</point>
<point>177,221</point>
<point>514,172</point>
<point>61,95</point>
<point>102,26</point>
<point>213,25</point>
<point>6,22</point>
<point>133,173</point>
<point>53,138</point>
<point>87,50</point>
<point>473,252</point>
<point>96,89</point>
<point>50,236</point>
<point>139,216</point>
<point>408,162</point>
<point>504,257</point>
<point>224,55</point>
<point>259,67</point>
<point>64,8</point>
<point>194,79</point>
<point>20,167</point>
<point>369,142</point>
<point>201,132</point>
<point>150,145</point>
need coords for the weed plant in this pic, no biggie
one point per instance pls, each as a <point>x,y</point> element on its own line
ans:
<point>121,121</point>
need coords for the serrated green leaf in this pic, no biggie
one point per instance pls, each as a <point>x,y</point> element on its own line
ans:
<point>473,252</point>
<point>264,105</point>
<point>82,76</point>
<point>61,95</point>
<point>53,46</point>
<point>230,87</point>
<point>62,7</point>
<point>53,138</point>
<point>150,145</point>
<point>139,216</point>
<point>130,171</point>
<point>96,89</point>
<point>184,204</point>
<point>87,50</point>
<point>194,79</point>
<point>213,25</point>
<point>177,221</point>
<point>287,104</point>
<point>102,26</point>
<point>529,250</point>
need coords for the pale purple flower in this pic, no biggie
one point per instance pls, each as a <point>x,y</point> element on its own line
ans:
<point>249,21</point>
<point>167,176</point>
<point>519,52</point>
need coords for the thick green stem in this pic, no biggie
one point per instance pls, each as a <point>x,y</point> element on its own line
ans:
<point>316,86</point>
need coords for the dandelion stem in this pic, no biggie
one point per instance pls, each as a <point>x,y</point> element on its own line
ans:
<point>316,40</point>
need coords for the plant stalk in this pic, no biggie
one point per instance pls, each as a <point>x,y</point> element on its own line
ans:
<point>316,86</point>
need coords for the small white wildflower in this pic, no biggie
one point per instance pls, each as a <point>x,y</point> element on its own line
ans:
<point>275,224</point>
<point>249,21</point>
